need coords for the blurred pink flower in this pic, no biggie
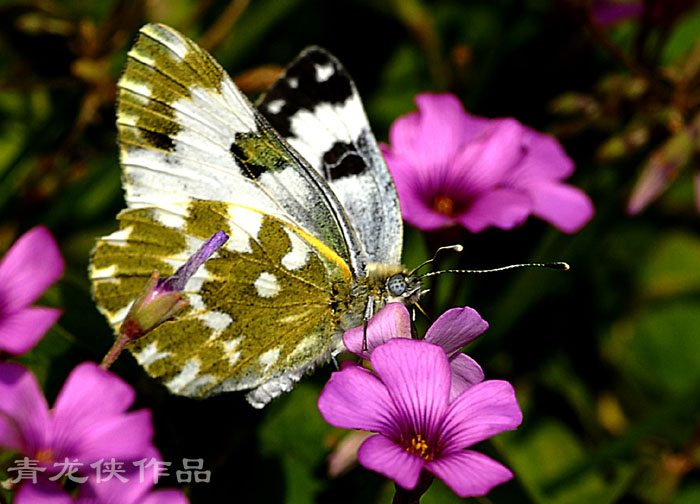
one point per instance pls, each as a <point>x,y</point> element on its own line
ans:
<point>610,12</point>
<point>407,404</point>
<point>451,331</point>
<point>106,492</point>
<point>88,423</point>
<point>31,265</point>
<point>454,168</point>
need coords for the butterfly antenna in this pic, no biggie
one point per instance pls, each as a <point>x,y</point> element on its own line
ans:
<point>562,266</point>
<point>456,248</point>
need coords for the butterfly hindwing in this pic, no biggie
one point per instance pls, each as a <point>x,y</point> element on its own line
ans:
<point>315,106</point>
<point>258,314</point>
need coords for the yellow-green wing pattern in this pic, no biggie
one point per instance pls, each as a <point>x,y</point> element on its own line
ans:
<point>263,310</point>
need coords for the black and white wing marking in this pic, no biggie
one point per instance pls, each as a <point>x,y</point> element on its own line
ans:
<point>315,106</point>
<point>187,133</point>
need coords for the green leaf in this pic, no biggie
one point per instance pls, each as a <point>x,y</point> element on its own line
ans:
<point>682,37</point>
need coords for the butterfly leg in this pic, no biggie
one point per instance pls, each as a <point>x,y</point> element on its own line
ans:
<point>369,312</point>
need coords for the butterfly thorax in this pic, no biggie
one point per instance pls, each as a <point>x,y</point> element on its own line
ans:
<point>384,283</point>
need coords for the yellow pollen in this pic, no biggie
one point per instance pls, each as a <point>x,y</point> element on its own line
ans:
<point>444,204</point>
<point>419,447</point>
<point>45,455</point>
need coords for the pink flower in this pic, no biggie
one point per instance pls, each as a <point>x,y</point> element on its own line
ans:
<point>109,492</point>
<point>31,265</point>
<point>407,404</point>
<point>454,168</point>
<point>451,331</point>
<point>88,423</point>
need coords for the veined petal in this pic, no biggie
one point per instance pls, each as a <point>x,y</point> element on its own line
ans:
<point>417,376</point>
<point>469,473</point>
<point>416,191</point>
<point>465,374</point>
<point>392,321</point>
<point>24,414</point>
<point>21,330</point>
<point>502,208</point>
<point>355,399</point>
<point>382,455</point>
<point>455,328</point>
<point>480,412</point>
<point>562,205</point>
<point>29,267</point>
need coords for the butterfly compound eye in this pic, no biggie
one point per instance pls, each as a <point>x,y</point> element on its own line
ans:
<point>397,285</point>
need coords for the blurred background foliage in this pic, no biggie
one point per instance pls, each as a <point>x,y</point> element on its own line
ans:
<point>605,358</point>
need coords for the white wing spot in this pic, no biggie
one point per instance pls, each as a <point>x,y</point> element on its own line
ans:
<point>267,285</point>
<point>150,354</point>
<point>293,82</point>
<point>299,253</point>
<point>230,349</point>
<point>119,238</point>
<point>187,375</point>
<point>275,106</point>
<point>215,320</point>
<point>246,225</point>
<point>269,358</point>
<point>324,72</point>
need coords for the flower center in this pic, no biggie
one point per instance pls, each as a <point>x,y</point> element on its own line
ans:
<point>419,447</point>
<point>45,455</point>
<point>444,204</point>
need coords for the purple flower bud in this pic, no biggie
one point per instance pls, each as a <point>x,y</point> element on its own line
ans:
<point>161,299</point>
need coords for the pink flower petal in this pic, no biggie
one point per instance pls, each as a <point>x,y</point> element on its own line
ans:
<point>355,399</point>
<point>545,160</point>
<point>165,497</point>
<point>24,414</point>
<point>90,395</point>
<point>392,321</point>
<point>417,376</point>
<point>484,163</point>
<point>44,491</point>
<point>465,374</point>
<point>480,412</point>
<point>31,265</point>
<point>416,194</point>
<point>502,208</point>
<point>455,328</point>
<point>125,437</point>
<point>380,454</point>
<point>562,205</point>
<point>468,473</point>
<point>21,330</point>
<point>430,137</point>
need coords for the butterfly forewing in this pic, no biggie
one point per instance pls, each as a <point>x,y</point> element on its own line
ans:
<point>315,106</point>
<point>186,132</point>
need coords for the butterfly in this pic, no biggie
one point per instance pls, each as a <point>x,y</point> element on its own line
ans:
<point>298,184</point>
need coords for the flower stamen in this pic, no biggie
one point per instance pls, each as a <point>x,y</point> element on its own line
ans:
<point>419,447</point>
<point>444,204</point>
